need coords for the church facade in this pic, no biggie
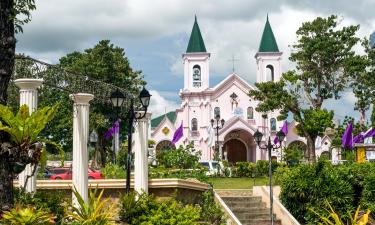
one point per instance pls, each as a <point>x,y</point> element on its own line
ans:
<point>228,101</point>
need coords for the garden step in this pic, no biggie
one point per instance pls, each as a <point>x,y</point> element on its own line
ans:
<point>246,204</point>
<point>235,199</point>
<point>255,209</point>
<point>259,222</point>
<point>246,216</point>
<point>234,192</point>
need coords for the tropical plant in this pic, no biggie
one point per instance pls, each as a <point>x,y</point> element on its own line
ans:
<point>95,212</point>
<point>210,211</point>
<point>334,218</point>
<point>52,203</point>
<point>183,157</point>
<point>27,216</point>
<point>114,171</point>
<point>245,169</point>
<point>146,210</point>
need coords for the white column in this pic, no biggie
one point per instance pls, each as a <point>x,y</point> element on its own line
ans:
<point>80,139</point>
<point>140,157</point>
<point>28,96</point>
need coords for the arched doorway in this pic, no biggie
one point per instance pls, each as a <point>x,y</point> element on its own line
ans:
<point>236,151</point>
<point>164,145</point>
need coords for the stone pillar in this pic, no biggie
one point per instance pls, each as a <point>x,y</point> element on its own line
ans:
<point>140,154</point>
<point>80,139</point>
<point>28,96</point>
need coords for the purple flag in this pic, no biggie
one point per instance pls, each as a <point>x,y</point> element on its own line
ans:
<point>363,135</point>
<point>284,129</point>
<point>178,134</point>
<point>113,130</point>
<point>347,138</point>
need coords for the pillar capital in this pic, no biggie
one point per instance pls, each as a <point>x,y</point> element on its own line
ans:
<point>146,118</point>
<point>28,83</point>
<point>81,98</point>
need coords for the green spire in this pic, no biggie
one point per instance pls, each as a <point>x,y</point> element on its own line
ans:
<point>196,43</point>
<point>268,42</point>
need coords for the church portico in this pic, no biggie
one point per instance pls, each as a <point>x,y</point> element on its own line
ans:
<point>239,146</point>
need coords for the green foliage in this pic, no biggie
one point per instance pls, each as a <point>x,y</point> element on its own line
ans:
<point>308,187</point>
<point>122,157</point>
<point>198,173</point>
<point>114,171</point>
<point>334,218</point>
<point>23,127</point>
<point>182,158</point>
<point>20,13</point>
<point>26,216</point>
<point>95,212</point>
<point>146,210</point>
<point>51,203</point>
<point>293,154</point>
<point>210,211</point>
<point>245,169</point>
<point>369,192</point>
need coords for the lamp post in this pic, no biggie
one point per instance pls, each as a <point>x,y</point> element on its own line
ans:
<point>217,128</point>
<point>117,98</point>
<point>269,147</point>
<point>144,98</point>
<point>93,140</point>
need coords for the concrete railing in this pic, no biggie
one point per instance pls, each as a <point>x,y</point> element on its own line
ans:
<point>231,218</point>
<point>281,212</point>
<point>120,184</point>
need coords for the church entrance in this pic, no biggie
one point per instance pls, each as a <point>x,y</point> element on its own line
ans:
<point>236,151</point>
<point>239,146</point>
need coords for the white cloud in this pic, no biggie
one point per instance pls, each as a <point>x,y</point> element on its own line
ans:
<point>159,105</point>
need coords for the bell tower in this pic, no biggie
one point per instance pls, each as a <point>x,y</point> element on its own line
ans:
<point>196,62</point>
<point>268,57</point>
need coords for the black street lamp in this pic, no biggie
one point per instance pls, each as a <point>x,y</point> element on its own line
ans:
<point>144,98</point>
<point>269,147</point>
<point>217,128</point>
<point>117,98</point>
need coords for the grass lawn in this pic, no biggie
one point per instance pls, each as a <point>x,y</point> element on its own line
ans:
<point>237,183</point>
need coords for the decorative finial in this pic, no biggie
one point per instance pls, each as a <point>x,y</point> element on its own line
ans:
<point>267,16</point>
<point>195,16</point>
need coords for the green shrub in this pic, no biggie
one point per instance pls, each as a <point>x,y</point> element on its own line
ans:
<point>262,167</point>
<point>306,188</point>
<point>183,157</point>
<point>369,192</point>
<point>245,169</point>
<point>52,203</point>
<point>147,210</point>
<point>161,172</point>
<point>210,211</point>
<point>113,171</point>
<point>26,216</point>
<point>122,157</point>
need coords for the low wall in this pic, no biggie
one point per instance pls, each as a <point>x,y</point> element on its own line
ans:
<point>188,191</point>
<point>281,212</point>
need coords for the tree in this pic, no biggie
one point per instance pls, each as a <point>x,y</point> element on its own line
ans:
<point>323,55</point>
<point>104,62</point>
<point>10,12</point>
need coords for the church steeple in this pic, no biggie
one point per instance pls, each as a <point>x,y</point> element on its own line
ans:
<point>196,43</point>
<point>268,41</point>
<point>196,62</point>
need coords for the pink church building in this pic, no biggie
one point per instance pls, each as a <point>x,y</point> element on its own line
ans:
<point>228,100</point>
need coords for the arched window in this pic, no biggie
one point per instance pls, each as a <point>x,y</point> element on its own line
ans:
<point>216,112</point>
<point>196,76</point>
<point>250,113</point>
<point>194,124</point>
<point>270,73</point>
<point>273,124</point>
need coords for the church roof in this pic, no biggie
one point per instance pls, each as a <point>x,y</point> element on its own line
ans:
<point>196,43</point>
<point>170,115</point>
<point>268,41</point>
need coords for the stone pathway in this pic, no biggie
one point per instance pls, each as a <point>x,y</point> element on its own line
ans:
<point>249,209</point>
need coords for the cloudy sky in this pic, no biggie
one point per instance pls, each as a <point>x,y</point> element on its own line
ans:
<point>154,34</point>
